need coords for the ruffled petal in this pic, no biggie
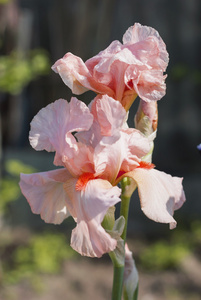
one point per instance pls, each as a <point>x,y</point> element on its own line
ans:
<point>45,194</point>
<point>109,118</point>
<point>51,128</point>
<point>77,76</point>
<point>150,85</point>
<point>160,194</point>
<point>88,207</point>
<point>139,33</point>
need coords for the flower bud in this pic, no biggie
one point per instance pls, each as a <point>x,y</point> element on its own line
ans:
<point>131,277</point>
<point>146,118</point>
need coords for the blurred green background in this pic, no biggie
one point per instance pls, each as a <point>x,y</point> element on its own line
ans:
<point>34,256</point>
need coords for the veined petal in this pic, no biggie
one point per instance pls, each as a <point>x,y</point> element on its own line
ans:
<point>160,194</point>
<point>88,207</point>
<point>51,128</point>
<point>45,194</point>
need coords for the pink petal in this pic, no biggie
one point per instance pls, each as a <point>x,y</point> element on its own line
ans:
<point>72,71</point>
<point>81,160</point>
<point>109,118</point>
<point>139,33</point>
<point>108,158</point>
<point>160,194</point>
<point>135,145</point>
<point>150,85</point>
<point>77,76</point>
<point>51,128</point>
<point>110,69</point>
<point>109,113</point>
<point>89,207</point>
<point>112,156</point>
<point>45,194</point>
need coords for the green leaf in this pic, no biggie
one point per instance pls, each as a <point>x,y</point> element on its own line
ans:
<point>118,254</point>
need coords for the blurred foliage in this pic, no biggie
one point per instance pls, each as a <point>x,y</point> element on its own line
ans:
<point>9,187</point>
<point>16,71</point>
<point>44,253</point>
<point>165,254</point>
<point>5,1</point>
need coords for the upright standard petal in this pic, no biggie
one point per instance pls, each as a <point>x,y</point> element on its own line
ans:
<point>45,194</point>
<point>88,204</point>
<point>109,118</point>
<point>160,194</point>
<point>139,33</point>
<point>114,157</point>
<point>51,128</point>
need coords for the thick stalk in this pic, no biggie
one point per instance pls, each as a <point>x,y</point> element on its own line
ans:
<point>118,271</point>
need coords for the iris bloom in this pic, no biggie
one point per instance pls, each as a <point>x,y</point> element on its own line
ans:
<point>95,152</point>
<point>121,71</point>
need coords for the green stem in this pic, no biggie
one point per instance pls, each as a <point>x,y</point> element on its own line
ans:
<point>118,271</point>
<point>118,275</point>
<point>124,210</point>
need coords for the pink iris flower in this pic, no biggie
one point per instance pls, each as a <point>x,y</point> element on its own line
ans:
<point>95,152</point>
<point>121,71</point>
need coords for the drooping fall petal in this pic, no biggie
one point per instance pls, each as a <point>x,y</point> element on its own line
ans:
<point>160,194</point>
<point>45,194</point>
<point>88,204</point>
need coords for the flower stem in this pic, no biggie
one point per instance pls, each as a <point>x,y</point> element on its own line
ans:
<point>118,270</point>
<point>118,274</point>
<point>125,202</point>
